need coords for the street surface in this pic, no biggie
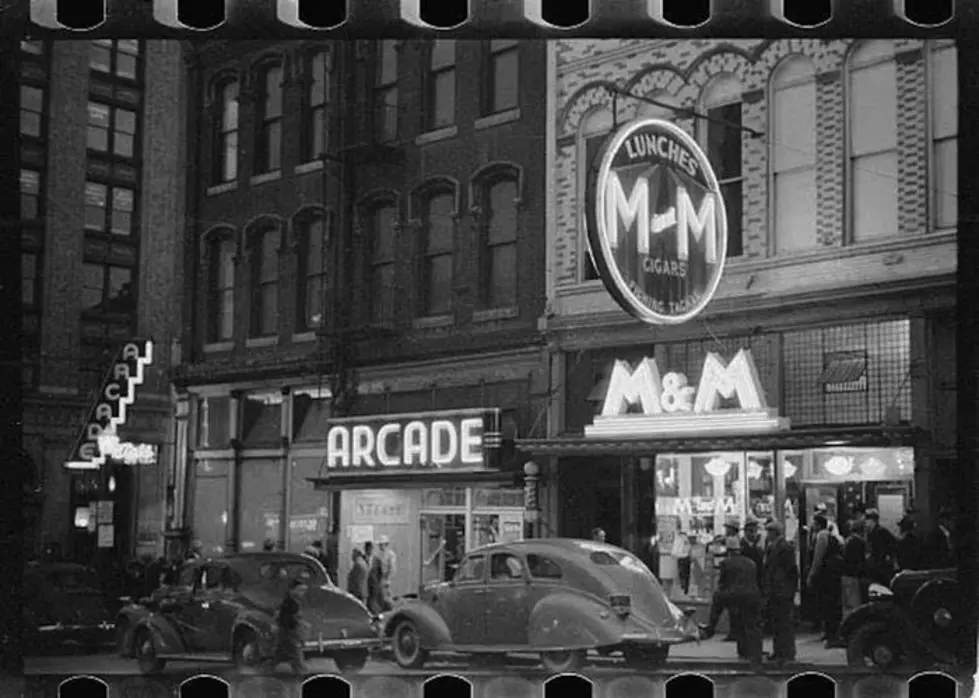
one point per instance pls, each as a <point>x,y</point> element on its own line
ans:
<point>714,653</point>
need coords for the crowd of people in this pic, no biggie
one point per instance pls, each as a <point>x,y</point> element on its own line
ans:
<point>370,575</point>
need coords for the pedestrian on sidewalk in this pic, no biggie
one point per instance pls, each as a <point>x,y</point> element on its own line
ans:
<point>681,553</point>
<point>289,641</point>
<point>738,592</point>
<point>731,531</point>
<point>824,580</point>
<point>357,576</point>
<point>781,581</point>
<point>881,550</point>
<point>909,555</point>
<point>854,566</point>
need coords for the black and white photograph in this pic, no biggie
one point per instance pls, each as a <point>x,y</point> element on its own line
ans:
<point>498,358</point>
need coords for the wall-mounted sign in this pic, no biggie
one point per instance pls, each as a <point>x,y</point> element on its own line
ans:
<point>381,508</point>
<point>465,439</point>
<point>658,232</point>
<point>118,391</point>
<point>696,506</point>
<point>669,406</point>
<point>125,452</point>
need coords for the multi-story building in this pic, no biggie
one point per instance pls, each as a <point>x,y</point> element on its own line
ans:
<point>101,239</point>
<point>367,244</point>
<point>837,165</point>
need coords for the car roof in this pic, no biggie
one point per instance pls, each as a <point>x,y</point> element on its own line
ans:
<point>564,547</point>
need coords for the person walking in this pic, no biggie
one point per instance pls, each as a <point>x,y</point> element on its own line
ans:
<point>681,553</point>
<point>289,642</point>
<point>909,554</point>
<point>854,565</point>
<point>881,549</point>
<point>649,554</point>
<point>781,582</point>
<point>357,576</point>
<point>824,579</point>
<point>738,592</point>
<point>375,574</point>
<point>753,548</point>
<point>940,542</point>
<point>389,565</point>
<point>731,531</point>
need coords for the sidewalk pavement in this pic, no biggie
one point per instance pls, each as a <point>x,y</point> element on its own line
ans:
<point>809,650</point>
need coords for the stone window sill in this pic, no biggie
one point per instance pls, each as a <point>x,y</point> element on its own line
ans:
<point>222,188</point>
<point>436,136</point>
<point>218,347</point>
<point>491,314</point>
<point>498,119</point>
<point>431,321</point>
<point>257,342</point>
<point>265,178</point>
<point>304,337</point>
<point>307,167</point>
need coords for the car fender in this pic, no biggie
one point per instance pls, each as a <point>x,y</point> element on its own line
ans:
<point>431,626</point>
<point>261,625</point>
<point>570,621</point>
<point>166,637</point>
<point>876,612</point>
<point>127,620</point>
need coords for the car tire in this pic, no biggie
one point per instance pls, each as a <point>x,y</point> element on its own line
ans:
<point>874,645</point>
<point>351,660</point>
<point>406,644</point>
<point>246,652</point>
<point>648,658</point>
<point>563,662</point>
<point>145,650</point>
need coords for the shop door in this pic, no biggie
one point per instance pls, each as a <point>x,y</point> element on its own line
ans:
<point>443,545</point>
<point>891,498</point>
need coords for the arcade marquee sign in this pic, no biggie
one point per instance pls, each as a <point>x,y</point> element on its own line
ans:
<point>450,440</point>
<point>657,229</point>
<point>640,403</point>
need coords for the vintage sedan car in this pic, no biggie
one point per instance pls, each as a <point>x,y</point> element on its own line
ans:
<point>553,596</point>
<point>224,609</point>
<point>64,609</point>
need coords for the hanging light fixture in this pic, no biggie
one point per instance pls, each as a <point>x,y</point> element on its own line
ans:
<point>788,470</point>
<point>112,483</point>
<point>838,465</point>
<point>718,467</point>
<point>755,469</point>
<point>873,467</point>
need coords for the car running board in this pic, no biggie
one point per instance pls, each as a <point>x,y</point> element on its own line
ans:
<point>215,657</point>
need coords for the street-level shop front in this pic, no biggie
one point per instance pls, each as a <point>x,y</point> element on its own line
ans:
<point>678,439</point>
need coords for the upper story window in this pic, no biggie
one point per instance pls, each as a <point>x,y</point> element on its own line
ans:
<point>30,277</point>
<point>107,288</point>
<point>592,133</point>
<point>265,282</point>
<point>268,132</point>
<point>118,57</point>
<point>441,84</point>
<point>31,111</point>
<point>30,195</point>
<point>720,136</point>
<point>220,289</point>
<point>502,73</point>
<point>109,209</point>
<point>792,131</point>
<point>499,198</point>
<point>438,240</point>
<point>111,129</point>
<point>316,117</point>
<point>873,153</point>
<point>224,166</point>
<point>944,133</point>
<point>33,47</point>
<point>382,221</point>
<point>314,272</point>
<point>386,91</point>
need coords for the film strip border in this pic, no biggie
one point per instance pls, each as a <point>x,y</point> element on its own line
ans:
<point>504,18</point>
<point>510,685</point>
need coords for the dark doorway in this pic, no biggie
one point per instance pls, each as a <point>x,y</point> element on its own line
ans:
<point>590,491</point>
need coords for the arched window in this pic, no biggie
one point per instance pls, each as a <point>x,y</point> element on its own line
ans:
<point>381,228</point>
<point>441,84</point>
<point>498,196</point>
<point>438,245</point>
<point>943,73</point>
<point>220,289</point>
<point>720,136</point>
<point>592,132</point>
<point>873,141</point>
<point>386,91</point>
<point>792,133</point>
<point>268,127</point>
<point>316,117</point>
<point>265,282</point>
<point>314,272</point>
<point>224,165</point>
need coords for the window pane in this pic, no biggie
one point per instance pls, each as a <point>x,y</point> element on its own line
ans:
<point>273,92</point>
<point>795,126</point>
<point>383,231</point>
<point>503,276</point>
<point>30,182</point>
<point>443,53</point>
<point>93,280</point>
<point>119,281</point>
<point>30,124</point>
<point>35,47</point>
<point>387,62</point>
<point>946,183</point>
<point>98,139</point>
<point>443,98</point>
<point>100,58</point>
<point>502,214</point>
<point>724,140</point>
<point>382,288</point>
<point>130,46</point>
<point>98,115</point>
<point>95,205</point>
<point>317,136</point>
<point>505,78</point>
<point>795,210</point>
<point>122,199</point>
<point>226,315</point>
<point>440,224</point>
<point>123,145</point>
<point>732,204</point>
<point>229,101</point>
<point>126,66</point>
<point>31,98</point>
<point>229,169</point>
<point>875,196</point>
<point>269,262</point>
<point>122,223</point>
<point>315,297</point>
<point>226,264</point>
<point>125,121</point>
<point>439,291</point>
<point>28,276</point>
<point>122,208</point>
<point>269,308</point>
<point>316,248</point>
<point>318,82</point>
<point>386,115</point>
<point>873,108</point>
<point>945,91</point>
<point>273,146</point>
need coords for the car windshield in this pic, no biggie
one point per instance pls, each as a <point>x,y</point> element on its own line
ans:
<point>285,570</point>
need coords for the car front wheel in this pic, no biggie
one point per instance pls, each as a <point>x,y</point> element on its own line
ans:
<point>146,653</point>
<point>874,645</point>
<point>246,652</point>
<point>407,646</point>
<point>563,662</point>
<point>351,660</point>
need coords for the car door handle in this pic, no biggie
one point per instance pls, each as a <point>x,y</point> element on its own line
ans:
<point>205,604</point>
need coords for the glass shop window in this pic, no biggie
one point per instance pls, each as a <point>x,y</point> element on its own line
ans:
<point>311,410</point>
<point>213,422</point>
<point>262,420</point>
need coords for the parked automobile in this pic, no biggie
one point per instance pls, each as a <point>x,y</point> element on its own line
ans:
<point>915,622</point>
<point>223,610</point>
<point>64,608</point>
<point>556,597</point>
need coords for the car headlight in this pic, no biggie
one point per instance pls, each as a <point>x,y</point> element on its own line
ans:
<point>877,591</point>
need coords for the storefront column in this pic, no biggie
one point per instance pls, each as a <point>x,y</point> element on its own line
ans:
<point>231,530</point>
<point>286,432</point>
<point>922,413</point>
<point>548,483</point>
<point>177,485</point>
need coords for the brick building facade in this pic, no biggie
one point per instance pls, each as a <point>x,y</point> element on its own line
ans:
<point>364,211</point>
<point>100,226</point>
<point>838,167</point>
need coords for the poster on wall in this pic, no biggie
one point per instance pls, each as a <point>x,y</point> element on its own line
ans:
<point>381,509</point>
<point>107,536</point>
<point>358,534</point>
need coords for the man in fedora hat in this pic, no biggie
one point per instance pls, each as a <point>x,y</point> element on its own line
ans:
<point>940,548</point>
<point>781,582</point>
<point>738,592</point>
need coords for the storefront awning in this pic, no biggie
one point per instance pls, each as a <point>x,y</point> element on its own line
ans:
<point>374,480</point>
<point>794,439</point>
